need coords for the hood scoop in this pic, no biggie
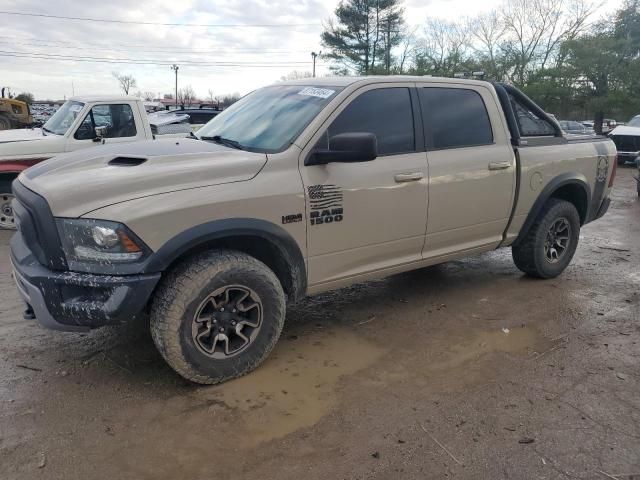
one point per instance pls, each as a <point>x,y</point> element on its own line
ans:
<point>127,161</point>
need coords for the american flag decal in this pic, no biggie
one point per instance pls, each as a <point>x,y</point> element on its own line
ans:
<point>324,196</point>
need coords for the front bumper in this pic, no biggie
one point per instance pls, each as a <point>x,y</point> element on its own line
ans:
<point>70,301</point>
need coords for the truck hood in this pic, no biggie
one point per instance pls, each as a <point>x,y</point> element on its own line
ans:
<point>626,130</point>
<point>29,142</point>
<point>77,183</point>
<point>22,135</point>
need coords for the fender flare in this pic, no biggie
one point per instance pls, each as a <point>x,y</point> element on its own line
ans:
<point>547,192</point>
<point>202,234</point>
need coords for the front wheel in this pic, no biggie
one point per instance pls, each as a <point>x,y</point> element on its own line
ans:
<point>217,316</point>
<point>7,221</point>
<point>551,242</point>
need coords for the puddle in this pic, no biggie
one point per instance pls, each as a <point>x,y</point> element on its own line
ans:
<point>296,386</point>
<point>522,341</point>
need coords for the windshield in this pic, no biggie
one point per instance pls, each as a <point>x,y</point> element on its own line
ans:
<point>635,121</point>
<point>270,119</point>
<point>60,122</point>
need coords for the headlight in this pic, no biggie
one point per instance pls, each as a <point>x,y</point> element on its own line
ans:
<point>98,242</point>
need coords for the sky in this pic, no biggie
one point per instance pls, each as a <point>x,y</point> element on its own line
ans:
<point>235,58</point>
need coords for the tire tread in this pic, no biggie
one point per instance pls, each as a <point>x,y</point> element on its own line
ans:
<point>171,299</point>
<point>526,254</point>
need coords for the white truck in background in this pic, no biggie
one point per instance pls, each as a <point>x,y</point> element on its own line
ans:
<point>81,122</point>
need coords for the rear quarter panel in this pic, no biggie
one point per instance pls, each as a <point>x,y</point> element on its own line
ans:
<point>541,164</point>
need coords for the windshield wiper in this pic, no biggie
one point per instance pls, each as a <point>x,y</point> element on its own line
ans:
<point>45,129</point>
<point>227,142</point>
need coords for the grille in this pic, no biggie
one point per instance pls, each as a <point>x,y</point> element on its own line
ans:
<point>26,225</point>
<point>37,226</point>
<point>626,143</point>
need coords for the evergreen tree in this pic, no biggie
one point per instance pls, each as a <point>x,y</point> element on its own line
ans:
<point>362,36</point>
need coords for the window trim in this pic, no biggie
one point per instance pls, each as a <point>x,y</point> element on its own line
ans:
<point>428,137</point>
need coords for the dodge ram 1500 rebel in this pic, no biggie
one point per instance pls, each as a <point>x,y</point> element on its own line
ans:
<point>298,188</point>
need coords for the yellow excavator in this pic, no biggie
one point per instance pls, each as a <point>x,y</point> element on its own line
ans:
<point>13,113</point>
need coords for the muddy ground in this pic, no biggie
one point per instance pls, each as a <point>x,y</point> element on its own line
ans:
<point>408,377</point>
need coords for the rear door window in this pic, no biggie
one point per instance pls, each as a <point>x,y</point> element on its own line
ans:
<point>385,112</point>
<point>454,118</point>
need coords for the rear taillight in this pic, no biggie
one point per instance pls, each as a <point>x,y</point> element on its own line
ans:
<point>613,171</point>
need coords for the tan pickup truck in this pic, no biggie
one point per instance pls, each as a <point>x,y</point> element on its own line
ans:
<point>298,188</point>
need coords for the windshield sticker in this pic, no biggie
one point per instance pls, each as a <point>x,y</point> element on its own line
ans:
<point>316,92</point>
<point>75,108</point>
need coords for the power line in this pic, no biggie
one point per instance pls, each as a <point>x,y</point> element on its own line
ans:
<point>132,61</point>
<point>182,51</point>
<point>144,60</point>
<point>131,22</point>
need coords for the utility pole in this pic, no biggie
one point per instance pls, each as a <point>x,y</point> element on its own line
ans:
<point>175,68</point>
<point>314,55</point>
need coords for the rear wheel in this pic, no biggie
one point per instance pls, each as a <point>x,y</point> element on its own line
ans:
<point>217,316</point>
<point>7,222</point>
<point>551,241</point>
<point>5,123</point>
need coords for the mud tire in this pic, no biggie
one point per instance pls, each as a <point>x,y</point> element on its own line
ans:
<point>529,253</point>
<point>185,287</point>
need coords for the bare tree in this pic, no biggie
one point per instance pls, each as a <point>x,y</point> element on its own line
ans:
<point>186,95</point>
<point>576,21</point>
<point>536,28</point>
<point>444,48</point>
<point>211,97</point>
<point>149,96</point>
<point>488,31</point>
<point>407,47</point>
<point>127,82</point>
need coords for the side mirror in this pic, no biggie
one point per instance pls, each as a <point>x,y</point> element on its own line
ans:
<point>346,148</point>
<point>101,132</point>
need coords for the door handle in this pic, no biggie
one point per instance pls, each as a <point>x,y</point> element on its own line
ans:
<point>499,165</point>
<point>408,177</point>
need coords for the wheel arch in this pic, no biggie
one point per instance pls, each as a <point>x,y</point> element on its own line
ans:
<point>263,240</point>
<point>572,187</point>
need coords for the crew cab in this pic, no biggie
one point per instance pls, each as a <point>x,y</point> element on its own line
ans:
<point>296,189</point>
<point>79,123</point>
